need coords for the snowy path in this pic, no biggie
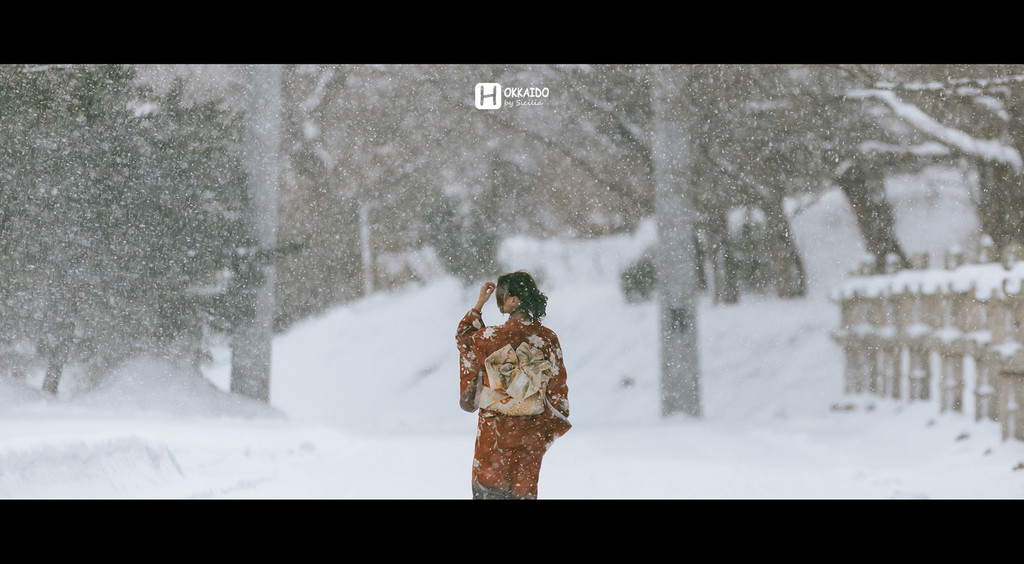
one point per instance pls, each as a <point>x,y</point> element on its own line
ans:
<point>849,455</point>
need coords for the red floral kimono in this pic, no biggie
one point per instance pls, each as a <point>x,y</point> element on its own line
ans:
<point>514,374</point>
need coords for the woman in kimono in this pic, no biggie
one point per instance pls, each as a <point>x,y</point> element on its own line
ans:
<point>513,375</point>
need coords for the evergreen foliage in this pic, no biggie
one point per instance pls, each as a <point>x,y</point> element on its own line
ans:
<point>122,217</point>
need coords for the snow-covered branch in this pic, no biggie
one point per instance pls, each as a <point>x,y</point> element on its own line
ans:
<point>955,85</point>
<point>928,149</point>
<point>988,149</point>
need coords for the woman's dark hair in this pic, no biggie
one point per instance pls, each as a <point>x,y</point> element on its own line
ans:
<point>521,285</point>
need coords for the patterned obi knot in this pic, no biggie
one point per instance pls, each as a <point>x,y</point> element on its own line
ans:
<point>517,380</point>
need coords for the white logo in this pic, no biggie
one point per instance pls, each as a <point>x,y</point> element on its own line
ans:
<point>488,96</point>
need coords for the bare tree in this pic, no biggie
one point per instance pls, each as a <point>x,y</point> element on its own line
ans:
<point>973,112</point>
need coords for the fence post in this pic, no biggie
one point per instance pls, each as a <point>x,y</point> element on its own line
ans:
<point>1011,394</point>
<point>1010,382</point>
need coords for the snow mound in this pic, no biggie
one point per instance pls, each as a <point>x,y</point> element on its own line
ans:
<point>16,393</point>
<point>159,387</point>
<point>76,468</point>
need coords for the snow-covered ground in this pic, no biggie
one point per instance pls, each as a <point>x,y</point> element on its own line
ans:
<point>364,398</point>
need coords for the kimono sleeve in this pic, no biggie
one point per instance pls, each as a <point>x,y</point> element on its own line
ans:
<point>469,366</point>
<point>558,388</point>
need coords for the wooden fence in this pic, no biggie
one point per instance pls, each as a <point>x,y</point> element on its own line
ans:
<point>953,334</point>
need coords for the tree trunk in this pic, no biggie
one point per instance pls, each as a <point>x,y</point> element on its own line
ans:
<point>55,347</point>
<point>699,259</point>
<point>788,267</point>
<point>865,191</point>
<point>1000,203</point>
<point>680,366</point>
<point>51,382</point>
<point>252,341</point>
<point>725,278</point>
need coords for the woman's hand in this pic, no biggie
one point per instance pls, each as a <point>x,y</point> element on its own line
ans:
<point>485,294</point>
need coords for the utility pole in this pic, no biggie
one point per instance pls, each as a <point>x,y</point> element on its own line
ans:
<point>252,342</point>
<point>676,255</point>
